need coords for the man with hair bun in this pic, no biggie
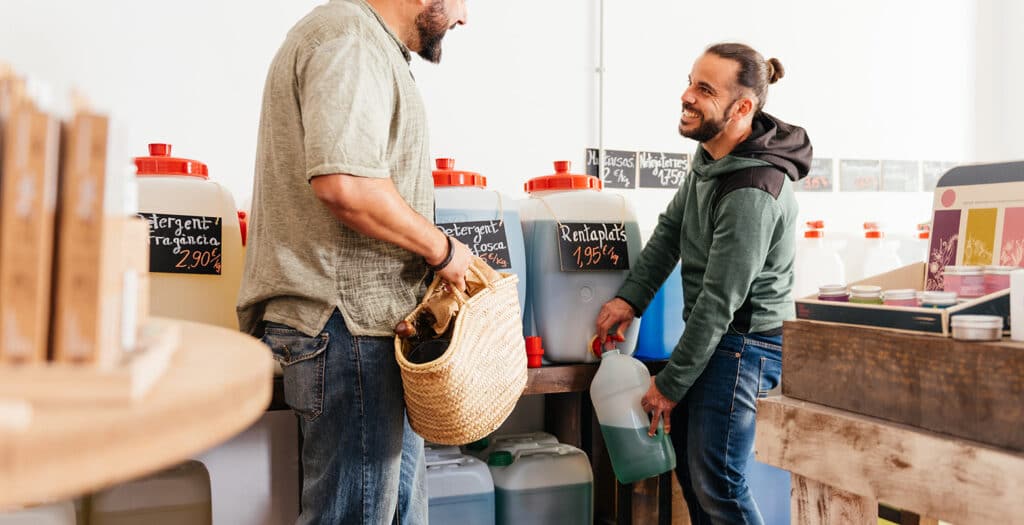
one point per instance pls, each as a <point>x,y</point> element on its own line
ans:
<point>732,226</point>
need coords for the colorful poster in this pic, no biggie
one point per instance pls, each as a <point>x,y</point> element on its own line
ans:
<point>980,238</point>
<point>1012,252</point>
<point>942,253</point>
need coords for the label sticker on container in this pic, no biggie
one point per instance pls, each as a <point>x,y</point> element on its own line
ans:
<point>184,243</point>
<point>585,246</point>
<point>486,239</point>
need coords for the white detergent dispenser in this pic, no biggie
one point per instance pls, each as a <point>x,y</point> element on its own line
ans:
<point>484,220</point>
<point>171,497</point>
<point>194,239</point>
<point>62,513</point>
<point>459,489</point>
<point>580,244</point>
<point>550,485</point>
<point>817,262</point>
<point>880,255</point>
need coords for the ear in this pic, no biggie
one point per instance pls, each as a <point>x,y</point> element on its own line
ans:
<point>744,107</point>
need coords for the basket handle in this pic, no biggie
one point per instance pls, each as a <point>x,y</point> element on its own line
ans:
<point>459,295</point>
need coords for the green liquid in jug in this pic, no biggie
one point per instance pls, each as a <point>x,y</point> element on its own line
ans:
<point>635,455</point>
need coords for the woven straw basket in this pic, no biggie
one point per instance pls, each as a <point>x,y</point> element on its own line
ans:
<point>470,390</point>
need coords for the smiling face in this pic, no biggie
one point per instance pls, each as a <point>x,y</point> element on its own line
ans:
<point>709,97</point>
<point>434,22</point>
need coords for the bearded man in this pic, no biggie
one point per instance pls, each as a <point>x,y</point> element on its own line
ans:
<point>732,224</point>
<point>340,244</point>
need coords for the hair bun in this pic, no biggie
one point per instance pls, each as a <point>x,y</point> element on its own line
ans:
<point>775,70</point>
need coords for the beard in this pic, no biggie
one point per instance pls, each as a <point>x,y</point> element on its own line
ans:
<point>709,128</point>
<point>432,24</point>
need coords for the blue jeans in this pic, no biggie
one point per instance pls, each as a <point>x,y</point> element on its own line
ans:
<point>713,428</point>
<point>361,462</point>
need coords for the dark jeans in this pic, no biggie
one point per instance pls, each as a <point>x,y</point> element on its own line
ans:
<point>362,463</point>
<point>713,429</point>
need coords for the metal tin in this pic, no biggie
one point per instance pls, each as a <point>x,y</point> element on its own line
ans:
<point>938,299</point>
<point>977,327</point>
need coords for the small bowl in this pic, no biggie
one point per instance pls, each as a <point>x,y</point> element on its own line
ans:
<point>977,327</point>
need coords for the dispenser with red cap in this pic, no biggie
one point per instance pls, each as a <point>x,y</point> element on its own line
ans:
<point>484,220</point>
<point>880,254</point>
<point>566,212</point>
<point>196,252</point>
<point>817,261</point>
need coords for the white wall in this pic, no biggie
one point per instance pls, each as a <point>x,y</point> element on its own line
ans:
<point>517,89</point>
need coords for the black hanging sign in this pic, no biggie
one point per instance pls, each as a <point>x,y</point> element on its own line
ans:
<point>486,239</point>
<point>184,243</point>
<point>619,167</point>
<point>662,170</point>
<point>585,246</point>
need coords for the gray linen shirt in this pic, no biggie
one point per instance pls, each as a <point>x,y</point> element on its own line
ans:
<point>339,98</point>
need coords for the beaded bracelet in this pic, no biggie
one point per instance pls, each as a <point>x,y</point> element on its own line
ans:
<point>447,258</point>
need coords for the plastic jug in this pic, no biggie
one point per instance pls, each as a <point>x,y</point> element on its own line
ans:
<point>485,220</point>
<point>880,255</point>
<point>196,255</point>
<point>177,495</point>
<point>916,249</point>
<point>513,443</point>
<point>564,303</point>
<point>459,490</point>
<point>817,262</point>
<point>662,321</point>
<point>62,513</point>
<point>550,485</point>
<point>619,385</point>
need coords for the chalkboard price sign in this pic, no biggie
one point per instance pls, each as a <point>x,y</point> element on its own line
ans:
<point>486,239</point>
<point>184,243</point>
<point>662,170</point>
<point>860,175</point>
<point>586,246</point>
<point>820,179</point>
<point>619,167</point>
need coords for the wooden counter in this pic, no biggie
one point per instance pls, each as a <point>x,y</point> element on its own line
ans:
<point>218,383</point>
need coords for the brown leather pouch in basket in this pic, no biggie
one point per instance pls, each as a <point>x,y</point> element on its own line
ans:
<point>469,391</point>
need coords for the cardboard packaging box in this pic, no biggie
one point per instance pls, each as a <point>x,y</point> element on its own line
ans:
<point>978,219</point>
<point>89,278</point>
<point>28,190</point>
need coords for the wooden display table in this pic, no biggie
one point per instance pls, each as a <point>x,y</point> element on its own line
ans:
<point>924,423</point>
<point>218,383</point>
<point>843,464</point>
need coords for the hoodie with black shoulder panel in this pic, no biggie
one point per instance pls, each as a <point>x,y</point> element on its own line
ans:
<point>732,225</point>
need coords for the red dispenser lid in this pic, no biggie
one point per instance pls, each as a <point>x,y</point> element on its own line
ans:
<point>161,163</point>
<point>447,176</point>
<point>563,180</point>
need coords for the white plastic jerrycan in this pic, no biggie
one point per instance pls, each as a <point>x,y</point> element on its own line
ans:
<point>195,240</point>
<point>619,385</point>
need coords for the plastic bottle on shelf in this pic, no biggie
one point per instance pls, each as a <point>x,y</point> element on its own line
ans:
<point>817,262</point>
<point>880,255</point>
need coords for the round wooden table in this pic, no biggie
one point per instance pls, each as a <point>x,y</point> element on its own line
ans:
<point>217,384</point>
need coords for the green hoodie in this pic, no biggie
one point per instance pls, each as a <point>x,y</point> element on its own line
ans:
<point>732,225</point>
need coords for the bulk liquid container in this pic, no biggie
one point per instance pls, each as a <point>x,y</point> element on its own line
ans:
<point>662,321</point>
<point>171,497</point>
<point>880,255</point>
<point>619,385</point>
<point>817,262</point>
<point>195,242</point>
<point>485,220</point>
<point>580,244</point>
<point>541,486</point>
<point>459,490</point>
